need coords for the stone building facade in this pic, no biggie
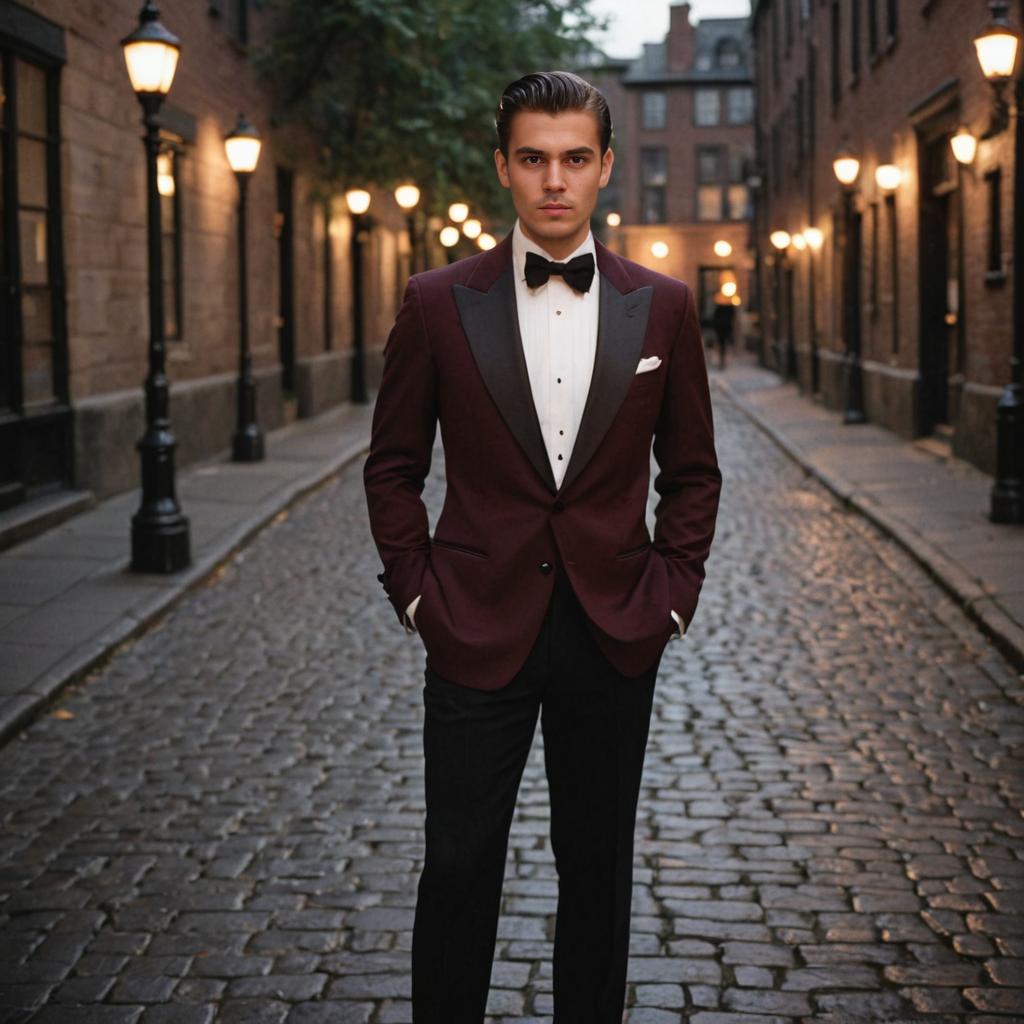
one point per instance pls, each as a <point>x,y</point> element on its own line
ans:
<point>928,301</point>
<point>74,344</point>
<point>684,146</point>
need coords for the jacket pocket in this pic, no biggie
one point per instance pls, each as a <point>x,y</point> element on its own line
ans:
<point>634,551</point>
<point>461,548</point>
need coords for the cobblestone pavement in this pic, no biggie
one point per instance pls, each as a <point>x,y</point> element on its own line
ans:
<point>224,823</point>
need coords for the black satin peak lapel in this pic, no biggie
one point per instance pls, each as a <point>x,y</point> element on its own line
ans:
<point>491,323</point>
<point>620,339</point>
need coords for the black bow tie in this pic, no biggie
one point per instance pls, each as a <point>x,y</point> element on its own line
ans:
<point>578,273</point>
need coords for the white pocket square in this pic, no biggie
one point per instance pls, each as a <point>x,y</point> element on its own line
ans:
<point>650,363</point>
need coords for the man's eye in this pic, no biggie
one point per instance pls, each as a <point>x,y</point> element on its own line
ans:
<point>530,159</point>
<point>578,161</point>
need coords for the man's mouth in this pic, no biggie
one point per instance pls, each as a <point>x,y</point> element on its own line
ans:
<point>555,206</point>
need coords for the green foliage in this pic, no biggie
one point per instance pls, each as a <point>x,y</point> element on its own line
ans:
<point>394,90</point>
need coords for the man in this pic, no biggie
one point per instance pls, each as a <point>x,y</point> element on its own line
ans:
<point>540,590</point>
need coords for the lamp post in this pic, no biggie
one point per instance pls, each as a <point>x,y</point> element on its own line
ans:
<point>160,531</point>
<point>449,237</point>
<point>846,167</point>
<point>781,241</point>
<point>358,201</point>
<point>997,48</point>
<point>407,197</point>
<point>814,239</point>
<point>242,147</point>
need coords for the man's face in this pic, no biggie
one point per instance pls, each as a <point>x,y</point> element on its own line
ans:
<point>554,171</point>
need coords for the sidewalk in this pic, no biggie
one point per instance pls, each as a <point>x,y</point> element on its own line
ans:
<point>67,597</point>
<point>935,508</point>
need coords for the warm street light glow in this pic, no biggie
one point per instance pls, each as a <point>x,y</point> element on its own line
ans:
<point>964,145</point>
<point>614,219</point>
<point>780,239</point>
<point>243,147</point>
<point>165,174</point>
<point>486,241</point>
<point>888,177</point>
<point>458,212</point>
<point>814,236</point>
<point>659,250</point>
<point>997,45</point>
<point>799,242</point>
<point>151,54</point>
<point>846,168</point>
<point>358,200</point>
<point>407,196</point>
<point>472,228</point>
<point>449,236</point>
<point>722,248</point>
<point>728,289</point>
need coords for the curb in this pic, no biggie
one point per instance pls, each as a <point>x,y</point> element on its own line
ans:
<point>96,652</point>
<point>1005,634</point>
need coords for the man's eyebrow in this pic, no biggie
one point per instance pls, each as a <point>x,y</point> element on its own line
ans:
<point>575,151</point>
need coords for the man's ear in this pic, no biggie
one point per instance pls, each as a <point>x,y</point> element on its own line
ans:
<point>606,167</point>
<point>501,165</point>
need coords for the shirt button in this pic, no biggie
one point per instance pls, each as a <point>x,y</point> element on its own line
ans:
<point>561,431</point>
<point>558,312</point>
<point>559,458</point>
<point>559,380</point>
<point>557,507</point>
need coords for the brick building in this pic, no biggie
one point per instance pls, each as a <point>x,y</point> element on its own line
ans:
<point>74,340</point>
<point>684,147</point>
<point>929,303</point>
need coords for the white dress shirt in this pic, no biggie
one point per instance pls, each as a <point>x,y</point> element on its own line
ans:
<point>558,326</point>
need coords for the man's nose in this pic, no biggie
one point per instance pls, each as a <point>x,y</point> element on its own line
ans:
<point>553,180</point>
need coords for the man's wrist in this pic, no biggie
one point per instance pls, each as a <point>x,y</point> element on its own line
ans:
<point>410,612</point>
<point>679,622</point>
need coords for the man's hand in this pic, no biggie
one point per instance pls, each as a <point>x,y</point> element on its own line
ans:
<point>679,622</point>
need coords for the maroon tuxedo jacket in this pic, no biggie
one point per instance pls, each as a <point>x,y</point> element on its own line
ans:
<point>454,357</point>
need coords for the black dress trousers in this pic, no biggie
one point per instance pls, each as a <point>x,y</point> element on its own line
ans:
<point>595,723</point>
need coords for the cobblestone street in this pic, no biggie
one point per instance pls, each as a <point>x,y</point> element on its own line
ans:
<point>224,823</point>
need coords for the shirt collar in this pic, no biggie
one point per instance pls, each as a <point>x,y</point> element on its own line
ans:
<point>521,245</point>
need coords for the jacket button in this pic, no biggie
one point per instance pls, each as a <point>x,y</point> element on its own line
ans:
<point>557,507</point>
<point>545,567</point>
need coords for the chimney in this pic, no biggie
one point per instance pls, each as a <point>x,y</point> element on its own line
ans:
<point>681,39</point>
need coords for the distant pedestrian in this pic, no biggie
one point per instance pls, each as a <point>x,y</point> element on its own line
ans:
<point>723,321</point>
<point>550,363</point>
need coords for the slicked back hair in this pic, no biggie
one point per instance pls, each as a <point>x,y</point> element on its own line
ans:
<point>551,92</point>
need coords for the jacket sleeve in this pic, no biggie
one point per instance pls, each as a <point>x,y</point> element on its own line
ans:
<point>401,443</point>
<point>689,480</point>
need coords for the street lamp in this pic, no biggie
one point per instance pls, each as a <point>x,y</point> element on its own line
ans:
<point>722,248</point>
<point>472,228</point>
<point>358,202</point>
<point>458,212</point>
<point>846,168</point>
<point>242,148</point>
<point>785,354</point>
<point>407,196</point>
<point>996,46</point>
<point>486,241</point>
<point>659,250</point>
<point>964,145</point>
<point>449,238</point>
<point>160,531</point>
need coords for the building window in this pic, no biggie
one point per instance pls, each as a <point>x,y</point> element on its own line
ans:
<point>655,109</point>
<point>805,10</point>
<point>708,104</point>
<point>740,105</point>
<point>788,20</point>
<point>873,279</point>
<point>776,61</point>
<point>893,17</point>
<point>235,16</point>
<point>854,38</point>
<point>993,181</point>
<point>709,182</point>
<point>654,178</point>
<point>728,53</point>
<point>169,187</point>
<point>872,27</point>
<point>836,48</point>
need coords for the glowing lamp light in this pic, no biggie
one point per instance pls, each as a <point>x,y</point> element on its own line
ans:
<point>722,248</point>
<point>964,145</point>
<point>242,147</point>
<point>407,196</point>
<point>458,212</point>
<point>996,46</point>
<point>888,177</point>
<point>845,165</point>
<point>472,228</point>
<point>729,289</point>
<point>659,250</point>
<point>486,241</point>
<point>735,300</point>
<point>780,239</point>
<point>814,237</point>
<point>449,236</point>
<point>799,242</point>
<point>614,219</point>
<point>358,200</point>
<point>151,54</point>
<point>164,174</point>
